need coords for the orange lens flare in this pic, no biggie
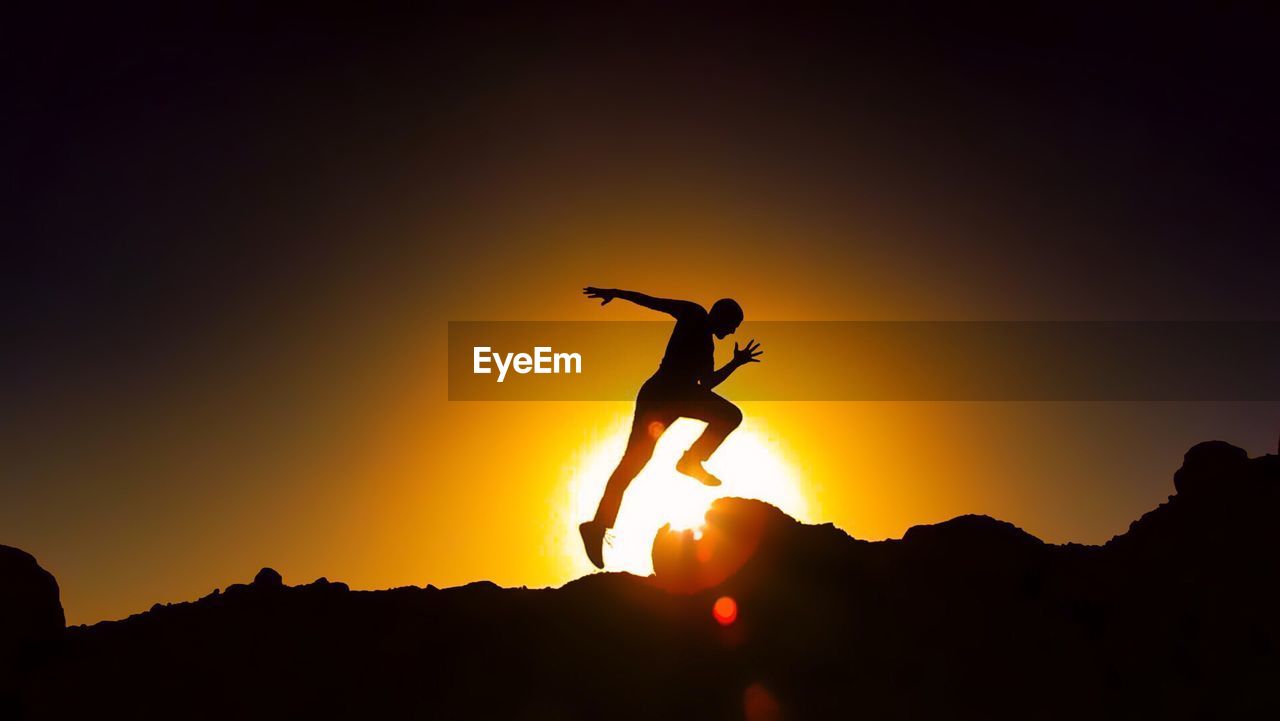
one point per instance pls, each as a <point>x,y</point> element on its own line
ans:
<point>725,610</point>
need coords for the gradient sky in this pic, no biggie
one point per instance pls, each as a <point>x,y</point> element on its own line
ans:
<point>234,238</point>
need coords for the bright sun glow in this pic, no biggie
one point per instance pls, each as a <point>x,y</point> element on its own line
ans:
<point>751,464</point>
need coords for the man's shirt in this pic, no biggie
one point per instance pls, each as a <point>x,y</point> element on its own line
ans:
<point>690,354</point>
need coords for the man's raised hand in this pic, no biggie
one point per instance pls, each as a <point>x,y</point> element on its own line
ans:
<point>604,294</point>
<point>750,354</point>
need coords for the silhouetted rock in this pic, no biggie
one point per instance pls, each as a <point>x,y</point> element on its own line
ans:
<point>30,609</point>
<point>31,621</point>
<point>971,618</point>
<point>1207,464</point>
<point>268,578</point>
<point>324,585</point>
<point>970,534</point>
<point>687,562</point>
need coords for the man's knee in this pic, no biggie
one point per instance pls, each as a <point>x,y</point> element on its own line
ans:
<point>731,416</point>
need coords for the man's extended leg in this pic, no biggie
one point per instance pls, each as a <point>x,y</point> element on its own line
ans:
<point>640,444</point>
<point>722,417</point>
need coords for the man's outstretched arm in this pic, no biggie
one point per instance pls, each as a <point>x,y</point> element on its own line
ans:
<point>662,305</point>
<point>741,357</point>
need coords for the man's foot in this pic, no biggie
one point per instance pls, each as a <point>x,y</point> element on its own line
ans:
<point>692,467</point>
<point>593,540</point>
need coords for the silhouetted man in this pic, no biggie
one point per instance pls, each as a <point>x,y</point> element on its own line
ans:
<point>681,388</point>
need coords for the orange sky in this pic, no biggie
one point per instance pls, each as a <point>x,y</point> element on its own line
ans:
<point>318,439</point>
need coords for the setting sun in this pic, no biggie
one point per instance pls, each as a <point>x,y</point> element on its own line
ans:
<point>751,463</point>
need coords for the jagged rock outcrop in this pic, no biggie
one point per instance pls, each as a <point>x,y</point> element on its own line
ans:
<point>971,618</point>
<point>31,622</point>
<point>30,609</point>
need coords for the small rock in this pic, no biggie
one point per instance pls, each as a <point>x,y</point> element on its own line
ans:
<point>268,578</point>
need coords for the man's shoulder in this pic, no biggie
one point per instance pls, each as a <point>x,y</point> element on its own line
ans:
<point>687,309</point>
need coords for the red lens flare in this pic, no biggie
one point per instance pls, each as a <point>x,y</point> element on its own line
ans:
<point>725,610</point>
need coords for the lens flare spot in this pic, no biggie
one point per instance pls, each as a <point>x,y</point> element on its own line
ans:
<point>760,705</point>
<point>656,428</point>
<point>725,610</point>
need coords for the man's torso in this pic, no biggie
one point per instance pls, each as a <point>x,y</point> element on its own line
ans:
<point>690,353</point>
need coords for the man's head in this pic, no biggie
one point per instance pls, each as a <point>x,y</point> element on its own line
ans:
<point>725,316</point>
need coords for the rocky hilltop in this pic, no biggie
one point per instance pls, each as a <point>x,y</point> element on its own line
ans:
<point>971,618</point>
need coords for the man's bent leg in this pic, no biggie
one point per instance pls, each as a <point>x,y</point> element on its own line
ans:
<point>639,450</point>
<point>721,417</point>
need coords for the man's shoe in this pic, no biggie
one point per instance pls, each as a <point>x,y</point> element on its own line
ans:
<point>692,467</point>
<point>593,540</point>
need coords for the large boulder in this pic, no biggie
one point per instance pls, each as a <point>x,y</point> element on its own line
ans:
<point>689,561</point>
<point>1212,466</point>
